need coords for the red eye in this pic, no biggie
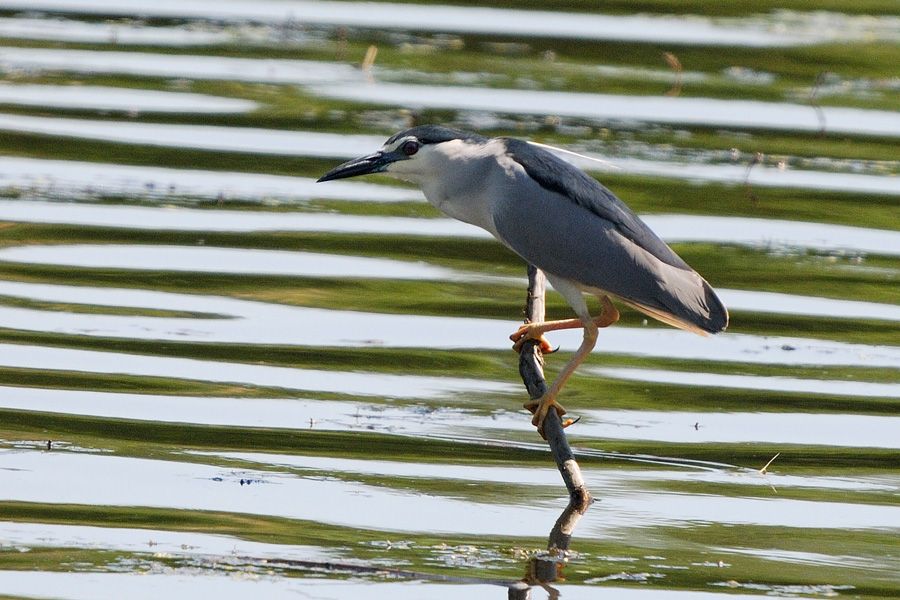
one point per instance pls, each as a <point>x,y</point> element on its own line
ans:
<point>410,148</point>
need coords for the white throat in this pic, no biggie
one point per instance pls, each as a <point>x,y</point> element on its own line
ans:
<point>456,177</point>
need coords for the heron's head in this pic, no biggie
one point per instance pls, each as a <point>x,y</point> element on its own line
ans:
<point>415,154</point>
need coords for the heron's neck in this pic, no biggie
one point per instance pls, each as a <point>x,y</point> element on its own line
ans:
<point>457,197</point>
<point>463,187</point>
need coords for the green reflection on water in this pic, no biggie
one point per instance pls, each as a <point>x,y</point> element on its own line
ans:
<point>701,555</point>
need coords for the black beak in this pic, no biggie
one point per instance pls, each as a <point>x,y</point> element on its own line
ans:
<point>373,163</point>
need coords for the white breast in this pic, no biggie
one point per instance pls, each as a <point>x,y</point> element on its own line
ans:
<point>464,180</point>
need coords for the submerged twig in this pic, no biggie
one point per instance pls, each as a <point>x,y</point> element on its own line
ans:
<point>369,61</point>
<point>764,470</point>
<point>675,65</point>
<point>758,158</point>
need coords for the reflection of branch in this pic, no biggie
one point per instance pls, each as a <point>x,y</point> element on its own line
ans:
<point>748,189</point>
<point>368,62</point>
<point>531,368</point>
<point>814,102</point>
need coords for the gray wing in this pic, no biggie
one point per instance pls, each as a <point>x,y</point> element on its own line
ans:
<point>555,174</point>
<point>587,242</point>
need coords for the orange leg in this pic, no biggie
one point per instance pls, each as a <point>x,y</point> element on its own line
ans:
<point>536,331</point>
<point>542,406</point>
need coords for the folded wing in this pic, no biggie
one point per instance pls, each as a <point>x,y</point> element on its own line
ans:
<point>582,232</point>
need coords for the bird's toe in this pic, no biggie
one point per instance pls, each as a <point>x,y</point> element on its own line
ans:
<point>530,331</point>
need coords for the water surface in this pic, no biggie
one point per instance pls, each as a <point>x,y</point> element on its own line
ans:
<point>605,108</point>
<point>118,99</point>
<point>219,378</point>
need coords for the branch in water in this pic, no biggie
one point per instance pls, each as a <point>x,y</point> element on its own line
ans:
<point>531,368</point>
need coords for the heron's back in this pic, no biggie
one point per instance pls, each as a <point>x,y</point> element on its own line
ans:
<point>569,240</point>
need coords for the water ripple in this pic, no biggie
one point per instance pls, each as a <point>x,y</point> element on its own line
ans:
<point>177,65</point>
<point>123,539</point>
<point>57,477</point>
<point>120,99</point>
<point>330,145</point>
<point>768,234</point>
<point>704,112</point>
<point>339,382</point>
<point>250,322</point>
<point>754,382</point>
<point>788,29</point>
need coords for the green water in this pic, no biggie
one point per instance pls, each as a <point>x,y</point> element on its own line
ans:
<point>145,430</point>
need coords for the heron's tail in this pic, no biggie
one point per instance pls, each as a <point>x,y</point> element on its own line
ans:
<point>688,302</point>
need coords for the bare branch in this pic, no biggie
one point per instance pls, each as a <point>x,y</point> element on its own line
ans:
<point>531,368</point>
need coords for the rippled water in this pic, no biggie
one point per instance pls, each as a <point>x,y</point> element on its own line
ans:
<point>73,178</point>
<point>68,30</point>
<point>604,107</point>
<point>220,378</point>
<point>193,66</point>
<point>117,99</point>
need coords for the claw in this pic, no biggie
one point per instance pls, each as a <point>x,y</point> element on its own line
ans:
<point>570,422</point>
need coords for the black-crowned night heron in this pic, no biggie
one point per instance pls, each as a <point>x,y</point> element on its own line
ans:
<point>557,218</point>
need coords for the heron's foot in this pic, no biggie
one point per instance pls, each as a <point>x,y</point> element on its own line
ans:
<point>541,407</point>
<point>530,331</point>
